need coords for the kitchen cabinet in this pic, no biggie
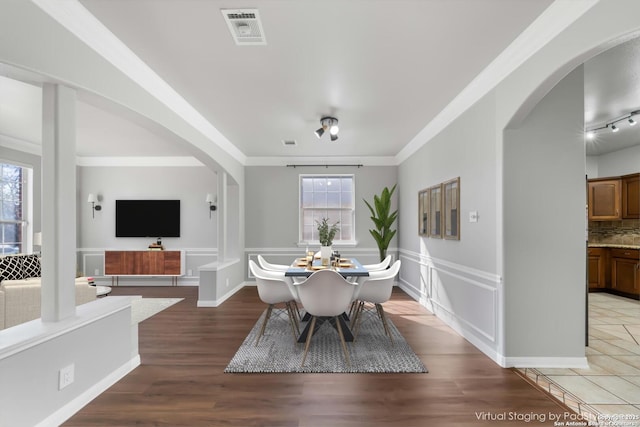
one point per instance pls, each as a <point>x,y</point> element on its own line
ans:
<point>598,263</point>
<point>625,272</point>
<point>604,199</point>
<point>631,196</point>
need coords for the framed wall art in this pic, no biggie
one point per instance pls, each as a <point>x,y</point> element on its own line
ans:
<point>435,211</point>
<point>451,207</point>
<point>423,212</point>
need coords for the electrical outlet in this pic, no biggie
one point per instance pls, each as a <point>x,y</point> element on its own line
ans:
<point>65,376</point>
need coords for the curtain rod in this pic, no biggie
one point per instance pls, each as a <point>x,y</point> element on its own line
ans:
<point>325,166</point>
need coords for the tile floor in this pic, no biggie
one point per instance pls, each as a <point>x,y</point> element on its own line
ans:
<point>609,390</point>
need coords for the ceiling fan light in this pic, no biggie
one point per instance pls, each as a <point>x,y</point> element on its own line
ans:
<point>334,130</point>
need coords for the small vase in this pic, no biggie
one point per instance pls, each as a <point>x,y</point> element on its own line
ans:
<point>325,254</point>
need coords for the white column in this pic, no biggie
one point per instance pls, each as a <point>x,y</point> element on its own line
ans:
<point>222,215</point>
<point>58,202</point>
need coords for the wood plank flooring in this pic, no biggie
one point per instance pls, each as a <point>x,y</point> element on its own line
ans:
<point>185,349</point>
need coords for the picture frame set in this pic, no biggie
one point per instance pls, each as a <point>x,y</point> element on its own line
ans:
<point>439,210</point>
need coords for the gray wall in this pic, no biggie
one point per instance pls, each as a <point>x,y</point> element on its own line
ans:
<point>618,163</point>
<point>457,280</point>
<point>198,234</point>
<point>544,227</point>
<point>271,206</point>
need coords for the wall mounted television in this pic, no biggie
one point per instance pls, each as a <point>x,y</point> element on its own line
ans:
<point>147,218</point>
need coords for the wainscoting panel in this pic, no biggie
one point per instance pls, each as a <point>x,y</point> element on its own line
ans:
<point>465,298</point>
<point>91,263</point>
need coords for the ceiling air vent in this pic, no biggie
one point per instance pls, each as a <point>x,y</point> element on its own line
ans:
<point>289,142</point>
<point>245,26</point>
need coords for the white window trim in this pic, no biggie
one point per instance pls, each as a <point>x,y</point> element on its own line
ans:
<point>341,244</point>
<point>27,204</point>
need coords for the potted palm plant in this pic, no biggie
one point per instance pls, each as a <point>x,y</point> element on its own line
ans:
<point>326,233</point>
<point>383,220</point>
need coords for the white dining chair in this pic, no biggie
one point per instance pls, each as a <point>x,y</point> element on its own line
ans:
<point>375,289</point>
<point>274,288</point>
<point>383,265</point>
<point>325,294</point>
<point>265,265</point>
<point>380,265</point>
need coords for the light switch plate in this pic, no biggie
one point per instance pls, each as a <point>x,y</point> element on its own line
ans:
<point>473,216</point>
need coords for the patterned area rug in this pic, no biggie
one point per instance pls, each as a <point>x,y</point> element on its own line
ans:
<point>143,308</point>
<point>371,352</point>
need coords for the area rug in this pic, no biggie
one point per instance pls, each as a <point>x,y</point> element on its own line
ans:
<point>371,352</point>
<point>143,308</point>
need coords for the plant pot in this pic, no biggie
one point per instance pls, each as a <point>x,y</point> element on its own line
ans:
<point>325,254</point>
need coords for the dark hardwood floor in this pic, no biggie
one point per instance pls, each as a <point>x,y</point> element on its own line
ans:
<point>184,350</point>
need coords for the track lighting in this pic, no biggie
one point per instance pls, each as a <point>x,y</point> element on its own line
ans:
<point>591,133</point>
<point>330,123</point>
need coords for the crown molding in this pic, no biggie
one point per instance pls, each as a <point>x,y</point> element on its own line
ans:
<point>164,161</point>
<point>316,160</point>
<point>81,23</point>
<point>555,19</point>
<point>17,144</point>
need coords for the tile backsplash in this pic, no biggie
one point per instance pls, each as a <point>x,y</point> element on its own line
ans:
<point>622,232</point>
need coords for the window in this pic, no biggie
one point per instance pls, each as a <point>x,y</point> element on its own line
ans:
<point>327,196</point>
<point>13,212</point>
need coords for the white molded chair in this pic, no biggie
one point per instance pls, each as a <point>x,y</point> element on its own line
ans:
<point>325,294</point>
<point>375,289</point>
<point>383,265</point>
<point>265,265</point>
<point>269,266</point>
<point>379,266</point>
<point>274,288</point>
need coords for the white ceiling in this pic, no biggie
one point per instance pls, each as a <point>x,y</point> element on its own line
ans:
<point>384,68</point>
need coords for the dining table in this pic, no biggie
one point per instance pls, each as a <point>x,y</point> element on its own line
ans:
<point>347,267</point>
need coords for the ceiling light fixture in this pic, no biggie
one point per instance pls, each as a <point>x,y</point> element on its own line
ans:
<point>330,123</point>
<point>590,133</point>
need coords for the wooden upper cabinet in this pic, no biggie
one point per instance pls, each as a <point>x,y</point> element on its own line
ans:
<point>631,196</point>
<point>604,199</point>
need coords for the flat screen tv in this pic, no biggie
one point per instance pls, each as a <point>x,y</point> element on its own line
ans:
<point>147,218</point>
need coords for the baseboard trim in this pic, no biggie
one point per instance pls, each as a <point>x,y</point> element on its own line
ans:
<point>217,302</point>
<point>71,408</point>
<point>545,362</point>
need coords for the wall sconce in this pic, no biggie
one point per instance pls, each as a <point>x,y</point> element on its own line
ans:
<point>93,200</point>
<point>212,200</point>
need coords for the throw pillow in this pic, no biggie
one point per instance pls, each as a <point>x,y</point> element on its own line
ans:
<point>11,267</point>
<point>31,266</point>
